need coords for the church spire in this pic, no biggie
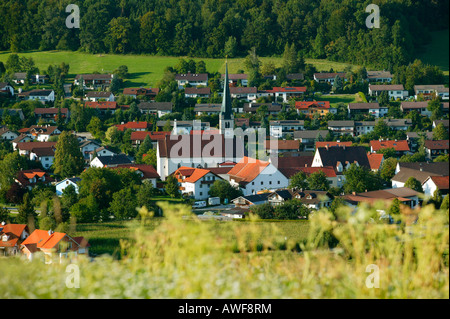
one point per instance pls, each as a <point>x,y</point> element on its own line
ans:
<point>226,109</point>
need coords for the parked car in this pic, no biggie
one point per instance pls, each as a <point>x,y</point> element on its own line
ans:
<point>200,204</point>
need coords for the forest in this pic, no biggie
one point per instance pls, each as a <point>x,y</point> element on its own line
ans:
<point>331,29</point>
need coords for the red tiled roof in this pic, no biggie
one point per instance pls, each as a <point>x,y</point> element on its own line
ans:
<point>23,177</point>
<point>133,125</point>
<point>148,171</point>
<point>154,136</point>
<point>102,105</point>
<point>14,231</point>
<point>247,169</point>
<point>50,110</point>
<point>287,89</point>
<point>192,174</point>
<point>437,145</point>
<point>332,144</point>
<point>328,171</point>
<point>399,146</point>
<point>375,160</point>
<point>306,105</point>
<point>28,146</point>
<point>442,182</point>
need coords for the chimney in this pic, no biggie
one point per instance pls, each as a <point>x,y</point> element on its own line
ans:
<point>354,193</point>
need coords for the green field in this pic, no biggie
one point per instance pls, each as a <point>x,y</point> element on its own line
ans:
<point>437,53</point>
<point>145,70</point>
<point>336,99</point>
<point>104,238</point>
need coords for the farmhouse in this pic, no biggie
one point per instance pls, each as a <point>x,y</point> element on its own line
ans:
<point>195,182</point>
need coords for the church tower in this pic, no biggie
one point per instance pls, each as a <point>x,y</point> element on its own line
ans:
<point>226,120</point>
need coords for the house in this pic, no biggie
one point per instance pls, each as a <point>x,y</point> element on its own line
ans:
<point>207,109</point>
<point>291,165</point>
<point>413,138</point>
<point>279,197</point>
<point>19,78</point>
<point>196,151</point>
<point>236,79</point>
<point>244,93</point>
<point>339,128</point>
<point>184,127</point>
<point>51,244</point>
<point>329,77</point>
<point>310,109</point>
<point>251,200</point>
<point>341,158</point>
<point>32,177</point>
<point>44,155</point>
<point>400,147</point>
<point>284,94</point>
<point>94,81</point>
<point>314,199</point>
<point>11,236</point>
<point>419,107</point>
<point>375,161</point>
<point>334,179</point>
<point>253,108</point>
<point>332,144</point>
<point>147,172</point>
<point>395,91</point>
<point>137,137</point>
<point>443,93</point>
<point>149,93</point>
<point>399,124</point>
<point>102,151</point>
<point>373,109</point>
<point>420,171</point>
<point>192,79</point>
<point>443,122</point>
<point>434,149</point>
<point>41,133</point>
<point>26,148</point>
<point>282,146</point>
<point>22,138</point>
<point>405,195</point>
<point>6,89</point>
<point>280,129</point>
<point>245,124</point>
<point>253,176</point>
<point>61,186</point>
<point>235,213</point>
<point>195,182</point>
<point>134,126</point>
<point>158,108</point>
<point>379,76</point>
<point>103,106</point>
<point>7,134</point>
<point>428,91</point>
<point>196,92</point>
<point>364,127</point>
<point>110,161</point>
<point>95,96</point>
<point>51,113</point>
<point>43,96</point>
<point>308,138</point>
<point>432,183</point>
<point>88,146</point>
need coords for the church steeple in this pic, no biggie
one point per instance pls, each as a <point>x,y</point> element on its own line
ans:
<point>226,111</point>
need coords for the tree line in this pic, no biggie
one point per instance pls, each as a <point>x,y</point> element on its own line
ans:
<point>330,29</point>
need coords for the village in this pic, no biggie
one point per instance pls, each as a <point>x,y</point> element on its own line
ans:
<point>391,146</point>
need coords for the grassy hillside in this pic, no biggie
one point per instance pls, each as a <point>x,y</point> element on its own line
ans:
<point>145,70</point>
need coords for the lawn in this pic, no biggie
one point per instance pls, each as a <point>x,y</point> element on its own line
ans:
<point>145,70</point>
<point>336,99</point>
<point>104,238</point>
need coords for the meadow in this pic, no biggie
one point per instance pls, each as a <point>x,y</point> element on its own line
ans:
<point>145,70</point>
<point>353,256</point>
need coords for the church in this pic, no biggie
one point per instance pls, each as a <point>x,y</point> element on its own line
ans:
<point>203,149</point>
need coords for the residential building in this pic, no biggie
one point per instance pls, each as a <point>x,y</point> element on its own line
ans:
<point>400,147</point>
<point>149,93</point>
<point>396,91</point>
<point>310,109</point>
<point>253,176</point>
<point>373,109</point>
<point>282,146</point>
<point>280,129</point>
<point>420,171</point>
<point>207,109</point>
<point>134,126</point>
<point>43,96</point>
<point>419,107</point>
<point>329,77</point>
<point>434,149</point>
<point>314,199</point>
<point>251,200</point>
<point>236,79</point>
<point>428,91</point>
<point>44,155</point>
<point>192,79</point>
<point>284,94</point>
<point>6,89</point>
<point>147,172</point>
<point>341,158</point>
<point>308,138</point>
<point>137,137</point>
<point>51,113</point>
<point>61,186</point>
<point>253,108</point>
<point>339,128</point>
<point>195,182</point>
<point>405,195</point>
<point>433,183</point>
<point>197,92</point>
<point>11,236</point>
<point>94,81</point>
<point>103,107</point>
<point>158,108</point>
<point>32,178</point>
<point>375,161</point>
<point>110,161</point>
<point>379,76</point>
<point>88,146</point>
<point>7,134</point>
<point>95,96</point>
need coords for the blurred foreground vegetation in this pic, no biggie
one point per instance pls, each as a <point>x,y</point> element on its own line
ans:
<point>187,258</point>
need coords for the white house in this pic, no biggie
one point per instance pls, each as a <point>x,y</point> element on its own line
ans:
<point>45,156</point>
<point>254,176</point>
<point>7,134</point>
<point>394,91</point>
<point>6,88</point>
<point>280,129</point>
<point>110,161</point>
<point>88,146</point>
<point>95,96</point>
<point>61,186</point>
<point>432,183</point>
<point>195,182</point>
<point>43,96</point>
<point>193,79</point>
